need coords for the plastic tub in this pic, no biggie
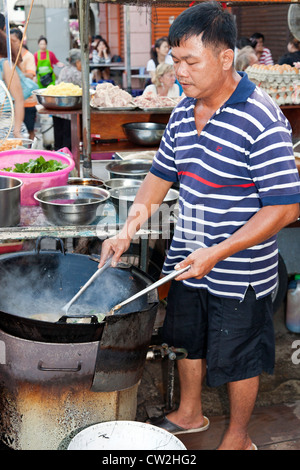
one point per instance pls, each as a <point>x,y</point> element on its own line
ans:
<point>293,305</point>
<point>33,182</point>
<point>125,435</point>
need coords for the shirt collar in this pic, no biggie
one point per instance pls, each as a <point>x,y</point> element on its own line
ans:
<point>244,89</point>
<point>242,92</point>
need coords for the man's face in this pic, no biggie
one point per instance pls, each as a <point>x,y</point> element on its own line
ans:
<point>199,69</point>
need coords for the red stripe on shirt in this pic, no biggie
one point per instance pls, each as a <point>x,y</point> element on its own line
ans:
<point>214,185</point>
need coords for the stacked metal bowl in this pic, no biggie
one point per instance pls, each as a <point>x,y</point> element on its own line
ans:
<point>72,204</point>
<point>144,133</point>
<point>60,103</point>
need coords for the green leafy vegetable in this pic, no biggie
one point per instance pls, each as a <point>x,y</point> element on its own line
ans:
<point>39,165</point>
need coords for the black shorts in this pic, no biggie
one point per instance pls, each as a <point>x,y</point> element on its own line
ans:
<point>236,338</point>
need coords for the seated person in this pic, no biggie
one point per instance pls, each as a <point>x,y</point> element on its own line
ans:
<point>293,54</point>
<point>101,55</point>
<point>245,58</point>
<point>159,55</point>
<point>264,54</point>
<point>163,82</point>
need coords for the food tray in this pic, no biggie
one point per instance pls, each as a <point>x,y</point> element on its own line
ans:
<point>114,108</point>
<point>160,108</point>
<point>142,155</point>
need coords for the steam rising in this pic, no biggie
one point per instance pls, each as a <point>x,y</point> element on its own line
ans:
<point>30,289</point>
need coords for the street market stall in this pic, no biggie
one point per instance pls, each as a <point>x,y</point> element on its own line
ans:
<point>85,364</point>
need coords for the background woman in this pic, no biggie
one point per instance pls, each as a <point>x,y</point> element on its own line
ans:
<point>263,53</point>
<point>159,55</point>
<point>293,54</point>
<point>245,58</point>
<point>45,61</point>
<point>163,82</point>
<point>27,66</point>
<point>15,90</point>
<point>101,55</point>
<point>71,73</point>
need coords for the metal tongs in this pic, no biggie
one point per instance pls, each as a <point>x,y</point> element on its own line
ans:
<point>65,309</point>
<point>153,286</point>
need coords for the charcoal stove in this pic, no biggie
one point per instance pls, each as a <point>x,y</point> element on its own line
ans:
<point>51,390</point>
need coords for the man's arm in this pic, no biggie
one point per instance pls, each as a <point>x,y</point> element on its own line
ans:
<point>264,224</point>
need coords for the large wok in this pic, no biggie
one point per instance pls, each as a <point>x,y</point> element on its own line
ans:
<point>43,281</point>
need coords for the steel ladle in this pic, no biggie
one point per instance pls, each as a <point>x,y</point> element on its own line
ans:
<point>153,286</point>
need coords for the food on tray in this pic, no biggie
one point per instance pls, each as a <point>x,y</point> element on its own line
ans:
<point>144,155</point>
<point>39,165</point>
<point>150,100</point>
<point>108,95</point>
<point>10,144</point>
<point>63,89</point>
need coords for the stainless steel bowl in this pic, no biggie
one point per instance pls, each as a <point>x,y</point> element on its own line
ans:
<point>59,102</point>
<point>86,181</point>
<point>144,133</point>
<point>72,205</point>
<point>135,169</point>
<point>9,201</point>
<point>122,198</point>
<point>121,183</point>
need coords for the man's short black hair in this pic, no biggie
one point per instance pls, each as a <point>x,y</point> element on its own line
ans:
<point>216,24</point>
<point>2,21</point>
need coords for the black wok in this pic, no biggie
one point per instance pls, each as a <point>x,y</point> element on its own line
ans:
<point>38,282</point>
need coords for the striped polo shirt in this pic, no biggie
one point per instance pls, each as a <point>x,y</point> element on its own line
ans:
<point>242,160</point>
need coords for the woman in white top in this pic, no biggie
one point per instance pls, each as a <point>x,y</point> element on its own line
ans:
<point>159,55</point>
<point>163,82</point>
<point>101,55</point>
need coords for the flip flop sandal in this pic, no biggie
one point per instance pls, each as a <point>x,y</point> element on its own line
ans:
<point>164,423</point>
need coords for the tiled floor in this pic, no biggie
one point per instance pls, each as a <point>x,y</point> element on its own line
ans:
<point>275,424</point>
<point>274,427</point>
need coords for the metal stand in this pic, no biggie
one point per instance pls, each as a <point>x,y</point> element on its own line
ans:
<point>173,354</point>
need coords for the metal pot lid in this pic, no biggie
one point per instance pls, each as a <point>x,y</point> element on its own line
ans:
<point>135,167</point>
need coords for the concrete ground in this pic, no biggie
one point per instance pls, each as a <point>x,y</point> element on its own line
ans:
<point>279,393</point>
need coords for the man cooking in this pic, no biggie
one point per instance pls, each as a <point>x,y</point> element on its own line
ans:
<point>229,146</point>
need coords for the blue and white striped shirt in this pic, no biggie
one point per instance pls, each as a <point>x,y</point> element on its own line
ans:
<point>242,160</point>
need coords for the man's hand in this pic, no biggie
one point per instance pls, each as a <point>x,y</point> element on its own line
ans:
<point>115,246</point>
<point>201,261</point>
<point>264,224</point>
<point>150,194</point>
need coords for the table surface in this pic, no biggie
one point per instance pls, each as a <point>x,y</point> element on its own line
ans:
<point>34,224</point>
<point>42,110</point>
<point>114,65</point>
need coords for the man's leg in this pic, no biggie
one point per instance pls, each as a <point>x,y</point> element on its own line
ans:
<point>191,375</point>
<point>242,397</point>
